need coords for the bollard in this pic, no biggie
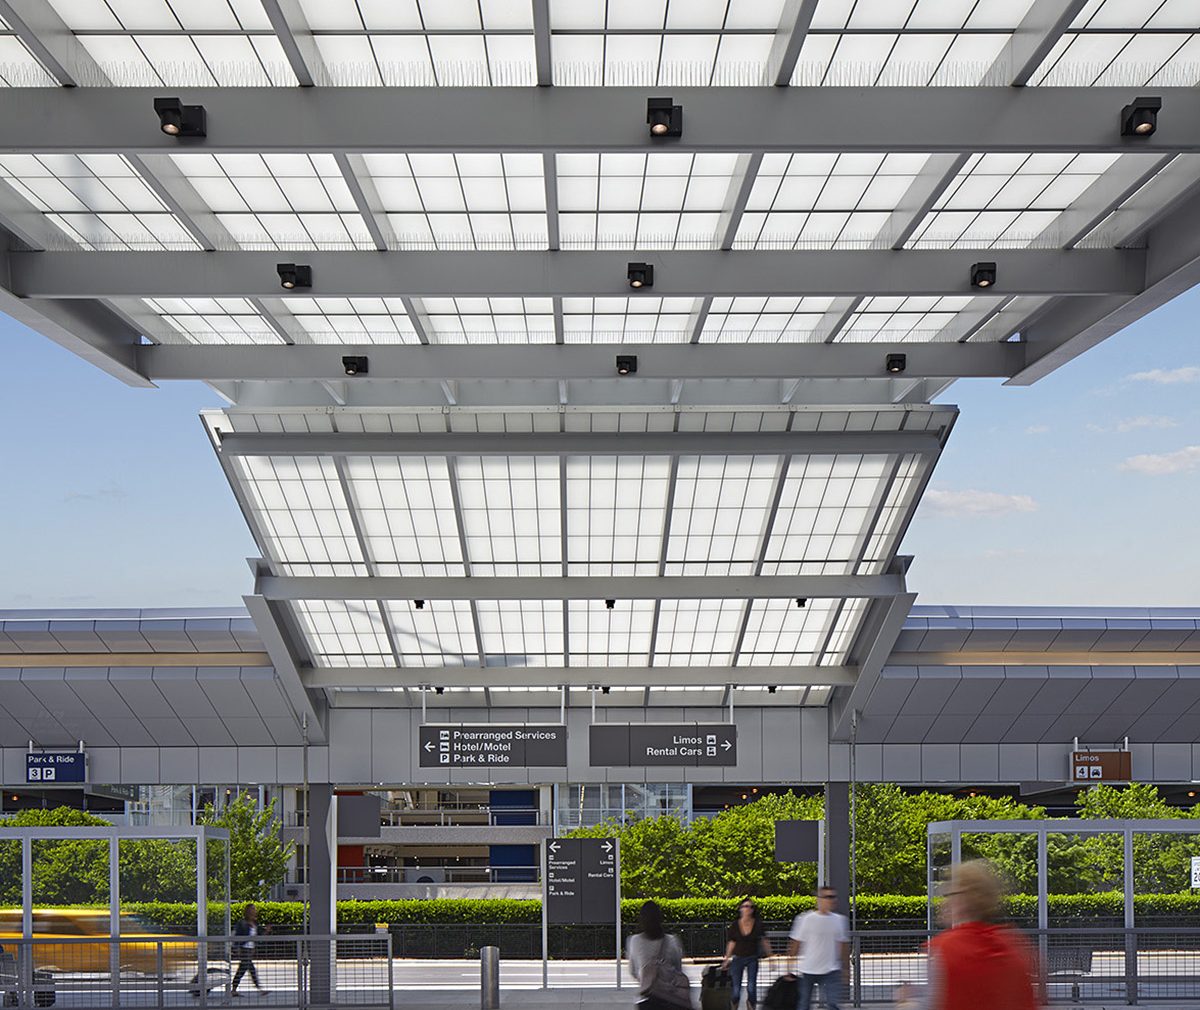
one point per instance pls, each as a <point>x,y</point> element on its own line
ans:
<point>489,978</point>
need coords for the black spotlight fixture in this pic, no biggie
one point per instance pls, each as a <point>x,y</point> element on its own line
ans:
<point>419,604</point>
<point>440,689</point>
<point>801,602</point>
<point>355,364</point>
<point>983,275</point>
<point>665,117</point>
<point>294,275</point>
<point>626,364</point>
<point>609,604</point>
<point>896,363</point>
<point>605,689</point>
<point>772,688</point>
<point>1140,118</point>
<point>178,120</point>
<point>641,275</point>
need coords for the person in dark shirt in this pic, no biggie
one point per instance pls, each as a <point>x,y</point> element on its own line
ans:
<point>746,942</point>
<point>247,929</point>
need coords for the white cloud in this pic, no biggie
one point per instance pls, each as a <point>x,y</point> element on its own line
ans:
<point>1159,464</point>
<point>978,503</point>
<point>1168,376</point>
<point>1037,429</point>
<point>1137,423</point>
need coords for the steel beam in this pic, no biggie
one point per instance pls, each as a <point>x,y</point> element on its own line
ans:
<point>1034,38</point>
<point>579,361</point>
<point>577,676</point>
<point>583,443</point>
<point>850,272</point>
<point>275,640</point>
<point>881,627</point>
<point>587,119</point>
<point>1072,327</point>
<point>794,23</point>
<point>558,587</point>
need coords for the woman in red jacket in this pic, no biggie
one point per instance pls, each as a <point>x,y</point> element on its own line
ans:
<point>978,962</point>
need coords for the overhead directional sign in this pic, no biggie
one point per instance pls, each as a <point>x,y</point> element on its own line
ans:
<point>1101,766</point>
<point>581,880</point>
<point>55,768</point>
<point>470,746</point>
<point>625,745</point>
<point>1196,872</point>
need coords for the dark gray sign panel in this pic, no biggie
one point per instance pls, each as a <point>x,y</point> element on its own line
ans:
<point>797,841</point>
<point>581,880</point>
<point>358,816</point>
<point>55,768</point>
<point>473,745</point>
<point>658,745</point>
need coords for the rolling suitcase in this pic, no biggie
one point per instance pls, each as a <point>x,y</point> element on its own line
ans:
<point>784,993</point>
<point>716,988</point>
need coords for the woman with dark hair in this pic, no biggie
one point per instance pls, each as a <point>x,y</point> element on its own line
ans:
<point>746,941</point>
<point>656,961</point>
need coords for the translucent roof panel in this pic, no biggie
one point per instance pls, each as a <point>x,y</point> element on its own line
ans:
<point>278,201</point>
<point>898,505</point>
<point>440,633</point>
<point>521,632</point>
<point>824,201</point>
<point>475,43</point>
<point>603,637</point>
<point>644,201</point>
<point>462,201</point>
<point>743,320</point>
<point>406,513</point>
<point>344,633</point>
<point>642,320</point>
<point>511,515</point>
<point>720,513</point>
<point>616,509</point>
<point>209,321</point>
<point>18,66</point>
<point>488,320</point>
<point>845,630</point>
<point>826,506</point>
<point>1008,200</point>
<point>780,633</point>
<point>298,508</point>
<point>97,201</point>
<point>698,632</point>
<point>1127,42</point>
<point>351,320</point>
<point>893,319</point>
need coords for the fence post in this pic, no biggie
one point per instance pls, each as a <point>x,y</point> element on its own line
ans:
<point>158,970</point>
<point>391,989</point>
<point>489,978</point>
<point>856,968</point>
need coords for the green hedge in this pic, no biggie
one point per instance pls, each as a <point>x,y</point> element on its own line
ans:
<point>871,907</point>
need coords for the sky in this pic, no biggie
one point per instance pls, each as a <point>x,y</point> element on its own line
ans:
<point>1080,490</point>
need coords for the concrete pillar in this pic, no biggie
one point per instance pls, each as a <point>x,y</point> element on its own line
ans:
<point>837,841</point>
<point>322,887</point>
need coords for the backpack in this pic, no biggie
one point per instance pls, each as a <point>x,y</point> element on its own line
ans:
<point>784,993</point>
<point>716,987</point>
<point>664,981</point>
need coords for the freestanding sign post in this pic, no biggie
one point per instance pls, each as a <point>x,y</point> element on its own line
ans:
<point>1196,872</point>
<point>581,884</point>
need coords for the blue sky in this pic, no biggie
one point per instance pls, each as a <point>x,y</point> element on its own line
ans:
<point>1081,489</point>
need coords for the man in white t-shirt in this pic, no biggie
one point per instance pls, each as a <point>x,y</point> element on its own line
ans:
<point>821,939</point>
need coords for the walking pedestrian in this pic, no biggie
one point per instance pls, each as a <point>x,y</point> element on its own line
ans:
<point>247,928</point>
<point>656,961</point>
<point>746,942</point>
<point>977,962</point>
<point>821,940</point>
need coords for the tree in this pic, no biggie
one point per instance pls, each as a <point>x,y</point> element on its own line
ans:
<point>67,872</point>
<point>258,858</point>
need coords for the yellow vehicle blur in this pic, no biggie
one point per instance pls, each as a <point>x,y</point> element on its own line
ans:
<point>138,946</point>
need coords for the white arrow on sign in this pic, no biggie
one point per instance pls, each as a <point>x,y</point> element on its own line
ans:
<point>429,745</point>
<point>553,847</point>
<point>727,745</point>
<point>607,846</point>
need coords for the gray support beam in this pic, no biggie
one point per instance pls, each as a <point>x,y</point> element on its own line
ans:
<point>558,587</point>
<point>837,841</point>
<point>1101,198</point>
<point>88,329</point>
<point>740,188</point>
<point>578,362</point>
<point>25,222</point>
<point>794,23</point>
<point>102,120</point>
<point>878,635</point>
<point>291,28</point>
<point>366,199</point>
<point>47,36</point>
<point>918,200</point>
<point>172,187</point>
<point>275,639</point>
<point>1070,328</point>
<point>578,443</point>
<point>577,677</point>
<point>1033,40</point>
<point>322,838</point>
<point>681,273</point>
<point>541,43</point>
